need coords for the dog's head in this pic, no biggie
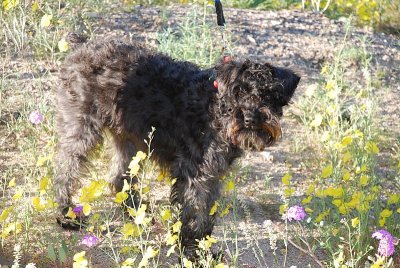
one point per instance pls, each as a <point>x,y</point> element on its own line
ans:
<point>250,100</point>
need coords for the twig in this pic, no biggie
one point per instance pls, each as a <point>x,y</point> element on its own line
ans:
<point>306,252</point>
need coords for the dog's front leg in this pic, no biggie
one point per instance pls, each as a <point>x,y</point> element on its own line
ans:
<point>196,195</point>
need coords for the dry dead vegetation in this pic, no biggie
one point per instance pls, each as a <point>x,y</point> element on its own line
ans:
<point>344,120</point>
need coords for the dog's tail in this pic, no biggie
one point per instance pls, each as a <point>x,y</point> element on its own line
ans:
<point>76,39</point>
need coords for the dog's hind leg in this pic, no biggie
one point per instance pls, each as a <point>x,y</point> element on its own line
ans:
<point>123,152</point>
<point>78,135</point>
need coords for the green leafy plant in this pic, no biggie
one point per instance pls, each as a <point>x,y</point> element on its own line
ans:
<point>345,201</point>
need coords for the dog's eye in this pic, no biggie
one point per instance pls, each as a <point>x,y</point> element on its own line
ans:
<point>227,112</point>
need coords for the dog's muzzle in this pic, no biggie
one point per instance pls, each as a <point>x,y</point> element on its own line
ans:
<point>254,130</point>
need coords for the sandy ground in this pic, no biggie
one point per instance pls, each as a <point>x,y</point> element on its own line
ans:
<point>299,40</point>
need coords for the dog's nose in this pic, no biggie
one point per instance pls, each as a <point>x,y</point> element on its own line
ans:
<point>249,118</point>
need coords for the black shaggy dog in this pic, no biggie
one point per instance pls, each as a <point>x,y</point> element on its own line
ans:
<point>204,120</point>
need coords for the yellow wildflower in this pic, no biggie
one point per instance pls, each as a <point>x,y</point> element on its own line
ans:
<point>176,227</point>
<point>337,202</point>
<point>286,179</point>
<point>289,192</point>
<point>171,250</point>
<point>93,191</point>
<point>364,180</point>
<point>346,157</point>
<point>141,155</point>
<point>372,148</point>
<point>12,183</point>
<point>327,171</point>
<point>131,230</point>
<point>361,169</point>
<point>355,222</point>
<point>317,121</point>
<point>380,260</point>
<point>150,253</point>
<point>171,239</point>
<point>141,215</point>
<point>80,261</point>
<point>18,194</point>
<point>70,214</point>
<point>322,216</point>
<point>326,136</point>
<point>358,134</point>
<point>10,4</point>
<point>43,183</point>
<point>230,185</point>
<point>343,210</point>
<point>121,197</point>
<point>46,20</point>
<point>187,263</point>
<point>310,189</point>
<point>206,243</point>
<point>334,192</point>
<point>386,213</point>
<point>320,193</point>
<point>128,262</point>
<point>37,204</point>
<point>14,227</point>
<point>225,211</point>
<point>214,208</point>
<point>308,210</point>
<point>86,209</point>
<point>330,85</point>
<point>5,213</point>
<point>282,209</point>
<point>63,45</point>
<point>346,141</point>
<point>307,200</point>
<point>346,176</point>
<point>324,69</point>
<point>166,214</point>
<point>393,199</point>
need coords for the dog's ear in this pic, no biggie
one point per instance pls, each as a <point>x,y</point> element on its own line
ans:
<point>287,82</point>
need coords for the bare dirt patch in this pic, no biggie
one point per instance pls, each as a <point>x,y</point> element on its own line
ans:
<point>299,40</point>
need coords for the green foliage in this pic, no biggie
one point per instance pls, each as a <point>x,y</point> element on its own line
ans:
<point>377,13</point>
<point>38,29</point>
<point>346,201</point>
<point>194,40</point>
<point>261,4</point>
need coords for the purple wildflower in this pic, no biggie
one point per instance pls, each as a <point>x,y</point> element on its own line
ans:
<point>36,117</point>
<point>386,242</point>
<point>90,240</point>
<point>381,234</point>
<point>78,210</point>
<point>296,213</point>
<point>386,247</point>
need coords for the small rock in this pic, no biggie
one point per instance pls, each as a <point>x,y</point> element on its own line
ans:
<point>267,156</point>
<point>251,39</point>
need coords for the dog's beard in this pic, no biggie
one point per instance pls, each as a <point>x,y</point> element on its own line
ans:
<point>255,138</point>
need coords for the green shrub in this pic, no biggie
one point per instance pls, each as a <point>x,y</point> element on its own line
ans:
<point>194,40</point>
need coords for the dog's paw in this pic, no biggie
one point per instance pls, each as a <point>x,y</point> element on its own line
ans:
<point>77,222</point>
<point>219,256</point>
<point>72,224</point>
<point>133,200</point>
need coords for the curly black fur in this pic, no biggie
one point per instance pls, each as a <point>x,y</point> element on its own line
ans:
<point>200,130</point>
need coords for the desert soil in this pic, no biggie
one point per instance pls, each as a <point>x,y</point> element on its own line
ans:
<point>303,41</point>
